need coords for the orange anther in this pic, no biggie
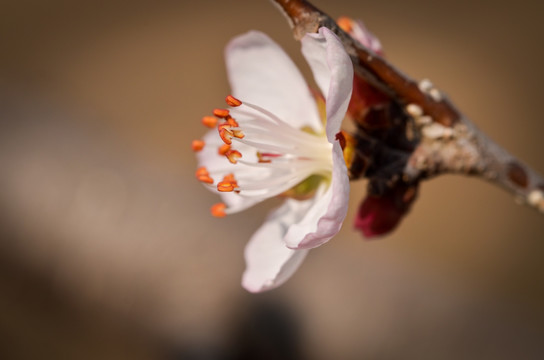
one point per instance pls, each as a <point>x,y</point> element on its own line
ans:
<point>224,125</point>
<point>223,149</point>
<point>238,134</point>
<point>229,177</point>
<point>218,210</point>
<point>345,23</point>
<point>233,156</point>
<point>203,176</point>
<point>221,113</point>
<point>225,186</point>
<point>209,121</point>
<point>232,122</point>
<point>201,171</point>
<point>225,134</point>
<point>197,145</point>
<point>262,156</point>
<point>232,101</point>
<point>205,179</point>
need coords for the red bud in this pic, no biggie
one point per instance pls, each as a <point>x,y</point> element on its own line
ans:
<point>379,215</point>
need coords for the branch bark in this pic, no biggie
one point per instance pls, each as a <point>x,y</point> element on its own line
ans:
<point>443,139</point>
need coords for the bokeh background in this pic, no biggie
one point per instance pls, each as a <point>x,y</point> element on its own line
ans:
<point>107,248</point>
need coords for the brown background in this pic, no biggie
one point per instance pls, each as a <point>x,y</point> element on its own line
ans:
<point>108,250</point>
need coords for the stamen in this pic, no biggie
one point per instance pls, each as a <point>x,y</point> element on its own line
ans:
<point>261,157</point>
<point>228,184</point>
<point>226,136</point>
<point>209,121</point>
<point>232,122</point>
<point>221,113</point>
<point>205,179</point>
<point>223,149</point>
<point>232,101</point>
<point>201,171</point>
<point>197,145</point>
<point>218,210</point>
<point>238,134</point>
<point>225,186</point>
<point>341,139</point>
<point>264,112</point>
<point>225,133</point>
<point>269,133</point>
<point>233,156</point>
<point>270,155</point>
<point>345,23</point>
<point>203,175</point>
<point>230,177</point>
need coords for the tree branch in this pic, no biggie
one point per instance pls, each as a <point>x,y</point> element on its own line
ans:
<point>442,139</point>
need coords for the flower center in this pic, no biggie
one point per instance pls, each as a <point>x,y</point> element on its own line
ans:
<point>267,156</point>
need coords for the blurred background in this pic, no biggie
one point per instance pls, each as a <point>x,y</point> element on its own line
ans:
<point>107,247</point>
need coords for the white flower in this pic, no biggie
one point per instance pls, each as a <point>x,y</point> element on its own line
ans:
<point>272,141</point>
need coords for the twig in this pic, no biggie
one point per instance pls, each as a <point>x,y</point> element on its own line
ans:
<point>443,140</point>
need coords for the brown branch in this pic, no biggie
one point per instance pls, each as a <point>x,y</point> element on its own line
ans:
<point>304,17</point>
<point>444,141</point>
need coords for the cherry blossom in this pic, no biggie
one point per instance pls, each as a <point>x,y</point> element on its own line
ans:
<point>271,141</point>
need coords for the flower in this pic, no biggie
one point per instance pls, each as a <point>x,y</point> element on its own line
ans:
<point>271,141</point>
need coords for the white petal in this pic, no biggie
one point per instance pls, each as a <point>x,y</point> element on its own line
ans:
<point>269,263</point>
<point>328,211</point>
<point>333,72</point>
<point>261,73</point>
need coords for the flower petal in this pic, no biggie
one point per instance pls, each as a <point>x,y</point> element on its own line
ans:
<point>260,72</point>
<point>324,219</point>
<point>269,263</point>
<point>333,72</point>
